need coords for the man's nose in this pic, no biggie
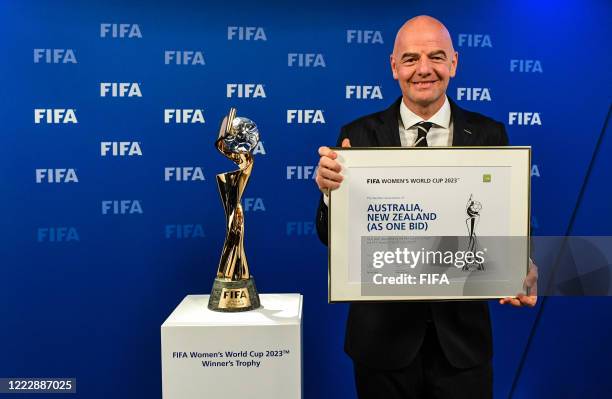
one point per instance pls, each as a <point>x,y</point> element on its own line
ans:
<point>423,66</point>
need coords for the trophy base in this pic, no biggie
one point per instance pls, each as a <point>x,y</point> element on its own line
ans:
<point>233,296</point>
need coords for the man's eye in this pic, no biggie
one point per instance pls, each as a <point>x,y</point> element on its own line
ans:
<point>410,60</point>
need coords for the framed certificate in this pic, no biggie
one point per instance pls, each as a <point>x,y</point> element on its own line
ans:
<point>434,223</point>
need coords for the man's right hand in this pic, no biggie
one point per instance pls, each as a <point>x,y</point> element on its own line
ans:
<point>328,173</point>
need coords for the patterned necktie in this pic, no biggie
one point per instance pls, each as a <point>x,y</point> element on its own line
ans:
<point>422,129</point>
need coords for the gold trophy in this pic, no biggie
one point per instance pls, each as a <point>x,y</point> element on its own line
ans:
<point>234,287</point>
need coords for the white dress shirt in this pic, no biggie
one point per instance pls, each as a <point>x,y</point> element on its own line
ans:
<point>440,134</point>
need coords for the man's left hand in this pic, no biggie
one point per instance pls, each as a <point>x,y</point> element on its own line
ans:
<point>530,285</point>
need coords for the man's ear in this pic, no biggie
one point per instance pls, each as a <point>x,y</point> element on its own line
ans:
<point>393,66</point>
<point>454,62</point>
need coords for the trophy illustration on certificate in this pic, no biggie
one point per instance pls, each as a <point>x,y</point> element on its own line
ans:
<point>234,287</point>
<point>472,209</point>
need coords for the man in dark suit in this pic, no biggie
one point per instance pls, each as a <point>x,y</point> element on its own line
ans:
<point>418,349</point>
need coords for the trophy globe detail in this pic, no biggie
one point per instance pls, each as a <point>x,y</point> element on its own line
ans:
<point>234,287</point>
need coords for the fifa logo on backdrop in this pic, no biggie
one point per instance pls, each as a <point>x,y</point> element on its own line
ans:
<point>526,66</point>
<point>55,115</point>
<point>245,90</point>
<point>120,89</point>
<point>305,116</point>
<point>54,56</point>
<point>474,40</point>
<point>246,33</point>
<point>57,234</point>
<point>121,207</point>
<point>58,175</point>
<point>306,60</point>
<point>300,228</point>
<point>120,148</point>
<point>259,149</point>
<point>524,118</point>
<point>183,57</point>
<point>253,205</point>
<point>183,173</point>
<point>363,92</point>
<point>183,231</point>
<point>473,94</point>
<point>120,31</point>
<point>185,115</point>
<point>364,36</point>
<point>301,172</point>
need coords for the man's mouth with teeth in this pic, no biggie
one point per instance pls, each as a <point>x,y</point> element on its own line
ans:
<point>424,83</point>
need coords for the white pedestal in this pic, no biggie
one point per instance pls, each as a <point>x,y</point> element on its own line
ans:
<point>254,354</point>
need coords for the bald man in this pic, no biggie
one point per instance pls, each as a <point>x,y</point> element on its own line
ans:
<point>418,349</point>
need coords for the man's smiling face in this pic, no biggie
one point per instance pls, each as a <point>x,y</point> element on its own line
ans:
<point>423,61</point>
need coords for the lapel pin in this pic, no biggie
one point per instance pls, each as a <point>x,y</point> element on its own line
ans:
<point>467,131</point>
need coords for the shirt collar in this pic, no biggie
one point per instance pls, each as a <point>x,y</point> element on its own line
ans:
<point>442,118</point>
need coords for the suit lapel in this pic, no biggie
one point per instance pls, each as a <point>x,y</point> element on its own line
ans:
<point>463,135</point>
<point>388,132</point>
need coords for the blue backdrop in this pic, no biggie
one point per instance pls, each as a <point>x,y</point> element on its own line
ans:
<point>84,289</point>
